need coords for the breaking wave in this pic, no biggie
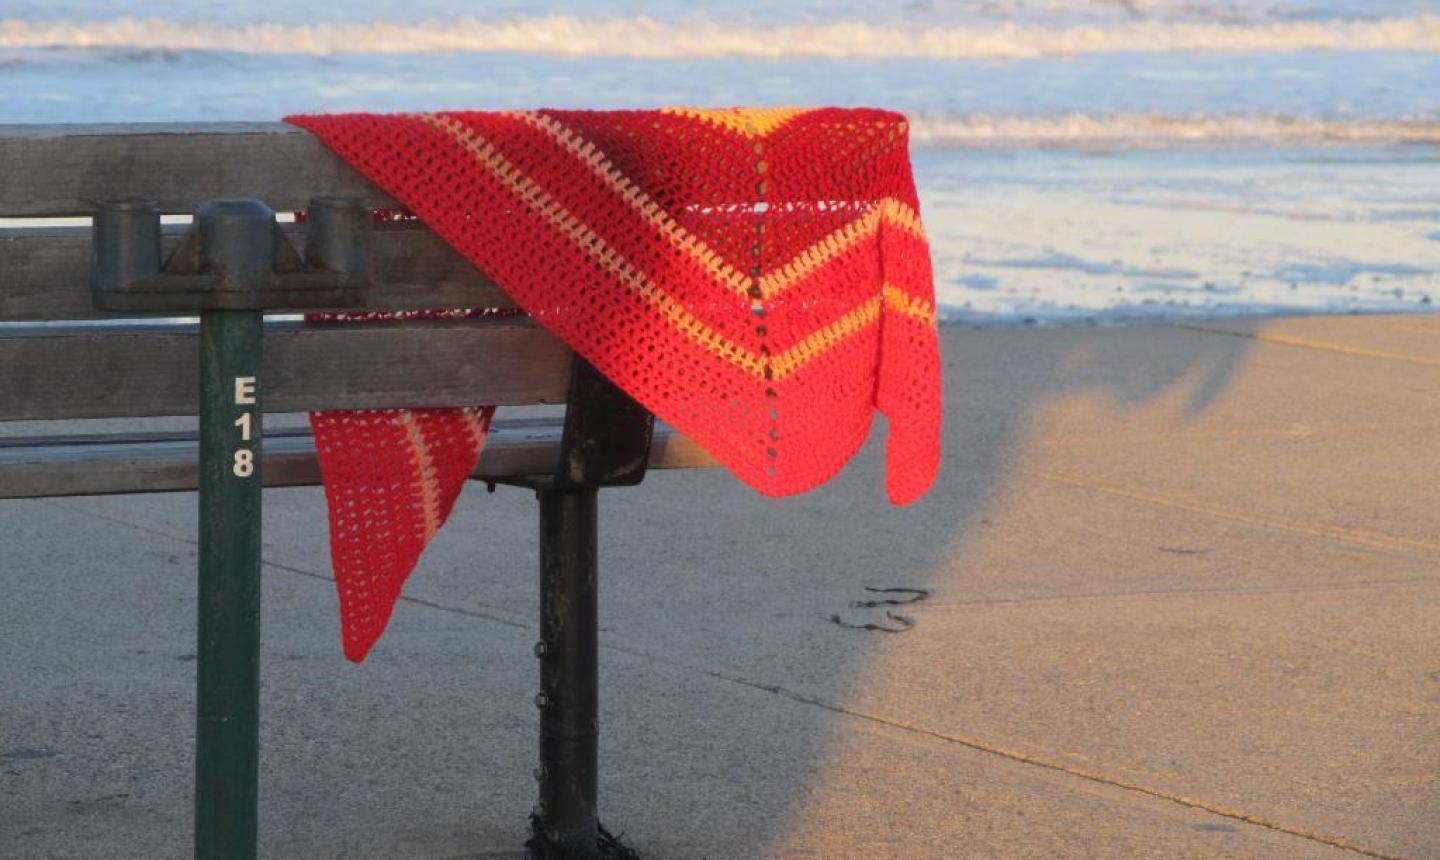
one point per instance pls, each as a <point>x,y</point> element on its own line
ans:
<point>649,38</point>
<point>1160,131</point>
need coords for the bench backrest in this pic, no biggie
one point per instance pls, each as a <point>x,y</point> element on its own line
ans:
<point>84,363</point>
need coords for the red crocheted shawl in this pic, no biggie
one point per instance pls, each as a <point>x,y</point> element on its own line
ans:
<point>759,279</point>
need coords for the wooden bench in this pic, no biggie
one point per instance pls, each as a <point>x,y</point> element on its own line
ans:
<point>63,357</point>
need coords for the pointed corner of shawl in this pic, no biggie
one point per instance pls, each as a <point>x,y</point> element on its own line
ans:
<point>357,653</point>
<point>908,489</point>
<point>912,463</point>
<point>358,641</point>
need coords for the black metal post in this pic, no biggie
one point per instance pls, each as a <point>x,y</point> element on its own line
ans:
<point>566,824</point>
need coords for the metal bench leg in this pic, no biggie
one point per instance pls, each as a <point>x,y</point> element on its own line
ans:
<point>227,738</point>
<point>569,674</point>
<point>606,444</point>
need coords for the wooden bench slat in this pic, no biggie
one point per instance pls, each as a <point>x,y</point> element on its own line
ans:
<point>167,462</point>
<point>45,273</point>
<point>120,371</point>
<point>52,170</point>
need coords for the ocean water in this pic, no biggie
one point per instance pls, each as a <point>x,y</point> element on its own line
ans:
<point>1078,160</point>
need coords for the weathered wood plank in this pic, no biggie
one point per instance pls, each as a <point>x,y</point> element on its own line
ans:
<point>64,169</point>
<point>94,371</point>
<point>45,272</point>
<point>167,462</point>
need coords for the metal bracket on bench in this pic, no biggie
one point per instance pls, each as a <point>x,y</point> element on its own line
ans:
<point>607,435</point>
<point>233,258</point>
<point>605,441</point>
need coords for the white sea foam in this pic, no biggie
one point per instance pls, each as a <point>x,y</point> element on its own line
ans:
<point>648,38</point>
<point>1159,131</point>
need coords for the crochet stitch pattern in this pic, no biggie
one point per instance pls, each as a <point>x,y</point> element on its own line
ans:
<point>391,477</point>
<point>757,278</point>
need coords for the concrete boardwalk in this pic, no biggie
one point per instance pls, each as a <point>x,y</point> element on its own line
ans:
<point>1187,605</point>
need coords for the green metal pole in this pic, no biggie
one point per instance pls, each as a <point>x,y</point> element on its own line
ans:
<point>227,738</point>
<point>228,269</point>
